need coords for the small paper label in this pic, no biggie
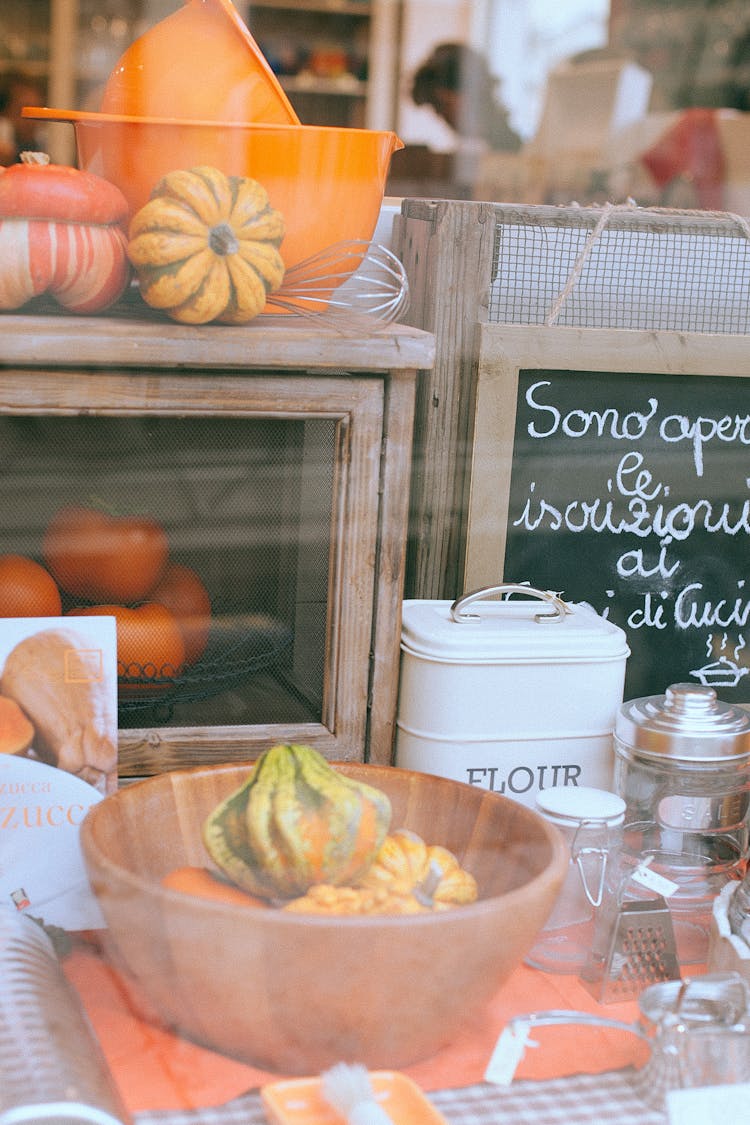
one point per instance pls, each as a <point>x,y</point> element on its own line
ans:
<point>509,1050</point>
<point>646,877</point>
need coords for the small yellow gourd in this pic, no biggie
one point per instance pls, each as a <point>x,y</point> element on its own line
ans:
<point>406,865</point>
<point>324,898</point>
<point>406,877</point>
<point>206,247</point>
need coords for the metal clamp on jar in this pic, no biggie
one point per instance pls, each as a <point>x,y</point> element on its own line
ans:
<point>682,766</point>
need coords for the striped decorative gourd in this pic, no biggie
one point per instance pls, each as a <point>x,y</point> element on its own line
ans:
<point>294,823</point>
<point>62,233</point>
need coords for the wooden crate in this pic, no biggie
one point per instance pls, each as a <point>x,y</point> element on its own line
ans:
<point>544,271</point>
<point>572,345</point>
<point>130,365</point>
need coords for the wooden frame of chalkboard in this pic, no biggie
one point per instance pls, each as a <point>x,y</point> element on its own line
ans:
<point>613,466</point>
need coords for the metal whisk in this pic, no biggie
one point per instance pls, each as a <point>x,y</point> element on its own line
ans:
<point>355,276</point>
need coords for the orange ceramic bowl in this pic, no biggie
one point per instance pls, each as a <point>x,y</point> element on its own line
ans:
<point>327,182</point>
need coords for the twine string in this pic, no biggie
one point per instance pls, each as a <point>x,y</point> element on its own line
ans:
<point>583,256</point>
<point>585,253</point>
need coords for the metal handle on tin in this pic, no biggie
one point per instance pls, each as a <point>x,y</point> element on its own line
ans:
<point>459,607</point>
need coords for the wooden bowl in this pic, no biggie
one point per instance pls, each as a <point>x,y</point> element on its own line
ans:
<point>295,993</point>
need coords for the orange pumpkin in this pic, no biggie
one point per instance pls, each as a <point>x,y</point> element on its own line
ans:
<point>104,558</point>
<point>149,642</point>
<point>61,232</point>
<point>182,591</point>
<point>27,589</point>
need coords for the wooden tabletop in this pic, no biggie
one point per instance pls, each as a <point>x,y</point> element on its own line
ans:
<point>131,335</point>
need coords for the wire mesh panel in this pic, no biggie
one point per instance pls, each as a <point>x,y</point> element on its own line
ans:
<point>246,505</point>
<point>621,267</point>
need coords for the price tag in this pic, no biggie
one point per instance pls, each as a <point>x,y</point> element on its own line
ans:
<point>508,1052</point>
<point>652,880</point>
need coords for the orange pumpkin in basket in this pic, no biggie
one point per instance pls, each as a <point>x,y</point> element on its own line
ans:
<point>27,589</point>
<point>149,642</point>
<point>182,591</point>
<point>103,557</point>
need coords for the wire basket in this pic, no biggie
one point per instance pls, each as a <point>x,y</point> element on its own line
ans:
<point>238,647</point>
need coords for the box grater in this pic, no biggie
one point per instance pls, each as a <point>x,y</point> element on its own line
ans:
<point>640,952</point>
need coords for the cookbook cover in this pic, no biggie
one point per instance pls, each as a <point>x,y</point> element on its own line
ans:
<point>58,743</point>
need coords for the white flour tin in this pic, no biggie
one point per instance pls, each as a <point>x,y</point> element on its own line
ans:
<point>513,696</point>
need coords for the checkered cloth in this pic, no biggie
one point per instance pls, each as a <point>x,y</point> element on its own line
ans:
<point>584,1099</point>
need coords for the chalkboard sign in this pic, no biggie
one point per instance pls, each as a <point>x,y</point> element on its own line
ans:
<point>614,468</point>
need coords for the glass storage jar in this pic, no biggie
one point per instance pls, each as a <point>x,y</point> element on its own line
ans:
<point>682,766</point>
<point>591,821</point>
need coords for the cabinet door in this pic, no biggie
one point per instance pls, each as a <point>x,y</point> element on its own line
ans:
<point>270,488</point>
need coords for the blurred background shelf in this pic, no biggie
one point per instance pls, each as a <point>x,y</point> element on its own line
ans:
<point>351,63</point>
<point>338,61</point>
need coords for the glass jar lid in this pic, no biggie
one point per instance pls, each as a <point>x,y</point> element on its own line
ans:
<point>688,723</point>
<point>571,805</point>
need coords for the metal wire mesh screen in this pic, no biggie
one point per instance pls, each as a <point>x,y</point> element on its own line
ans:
<point>621,267</point>
<point>245,502</point>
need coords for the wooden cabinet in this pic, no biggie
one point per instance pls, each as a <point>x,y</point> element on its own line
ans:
<point>277,457</point>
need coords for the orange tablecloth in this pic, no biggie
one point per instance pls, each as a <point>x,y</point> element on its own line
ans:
<point>156,1069</point>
